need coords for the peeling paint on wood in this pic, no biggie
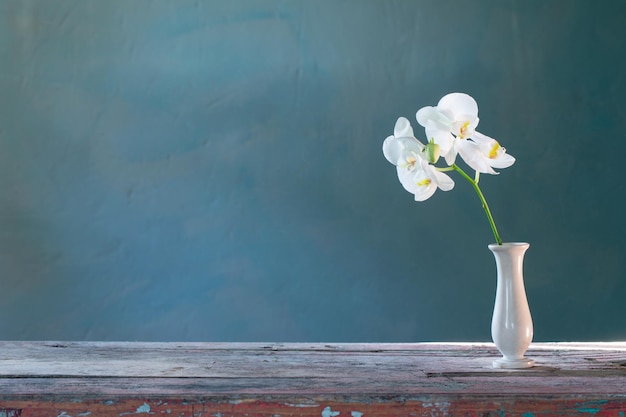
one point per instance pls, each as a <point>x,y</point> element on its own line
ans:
<point>307,380</point>
<point>478,406</point>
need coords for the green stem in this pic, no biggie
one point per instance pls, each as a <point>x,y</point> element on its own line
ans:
<point>482,200</point>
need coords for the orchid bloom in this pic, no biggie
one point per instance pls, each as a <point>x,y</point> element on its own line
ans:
<point>484,154</point>
<point>452,125</point>
<point>409,156</point>
<point>402,139</point>
<point>423,179</point>
<point>451,130</point>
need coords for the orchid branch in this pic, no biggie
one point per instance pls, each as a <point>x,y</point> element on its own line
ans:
<point>474,183</point>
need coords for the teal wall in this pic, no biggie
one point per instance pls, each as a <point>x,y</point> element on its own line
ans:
<point>212,170</point>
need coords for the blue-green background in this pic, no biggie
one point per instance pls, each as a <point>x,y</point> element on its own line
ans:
<point>212,170</point>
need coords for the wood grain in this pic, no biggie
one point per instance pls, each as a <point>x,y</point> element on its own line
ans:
<point>355,380</point>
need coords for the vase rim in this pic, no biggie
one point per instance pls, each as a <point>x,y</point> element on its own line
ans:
<point>508,245</point>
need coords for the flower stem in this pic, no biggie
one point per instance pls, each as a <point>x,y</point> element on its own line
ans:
<point>482,200</point>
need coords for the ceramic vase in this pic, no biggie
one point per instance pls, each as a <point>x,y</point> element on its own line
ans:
<point>511,325</point>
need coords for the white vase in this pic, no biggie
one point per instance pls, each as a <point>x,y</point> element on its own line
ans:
<point>511,325</point>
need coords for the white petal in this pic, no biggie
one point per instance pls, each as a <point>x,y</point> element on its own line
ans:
<point>444,182</point>
<point>403,128</point>
<point>457,104</point>
<point>430,116</point>
<point>443,138</point>
<point>480,138</point>
<point>503,161</point>
<point>392,149</point>
<point>407,179</point>
<point>410,180</point>
<point>472,155</point>
<point>425,192</point>
<point>450,157</point>
<point>495,154</point>
<point>411,144</point>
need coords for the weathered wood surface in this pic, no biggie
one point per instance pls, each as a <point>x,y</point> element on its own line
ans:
<point>354,380</point>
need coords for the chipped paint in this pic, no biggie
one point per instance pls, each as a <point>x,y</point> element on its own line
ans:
<point>142,409</point>
<point>508,406</point>
<point>439,405</point>
<point>300,405</point>
<point>327,412</point>
<point>591,407</point>
<point>145,408</point>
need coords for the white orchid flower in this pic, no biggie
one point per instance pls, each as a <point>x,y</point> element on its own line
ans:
<point>402,139</point>
<point>422,179</point>
<point>454,118</point>
<point>462,111</point>
<point>485,154</point>
<point>410,157</point>
<point>452,125</point>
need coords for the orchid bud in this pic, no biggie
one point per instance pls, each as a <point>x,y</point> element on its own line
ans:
<point>431,152</point>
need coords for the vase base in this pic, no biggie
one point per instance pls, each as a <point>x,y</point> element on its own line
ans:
<point>522,363</point>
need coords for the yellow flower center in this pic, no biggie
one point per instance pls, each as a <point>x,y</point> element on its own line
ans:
<point>494,150</point>
<point>411,161</point>
<point>463,130</point>
<point>423,182</point>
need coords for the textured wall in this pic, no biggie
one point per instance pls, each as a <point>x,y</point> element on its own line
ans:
<point>208,170</point>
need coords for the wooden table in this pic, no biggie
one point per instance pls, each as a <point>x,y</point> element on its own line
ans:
<point>82,379</point>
